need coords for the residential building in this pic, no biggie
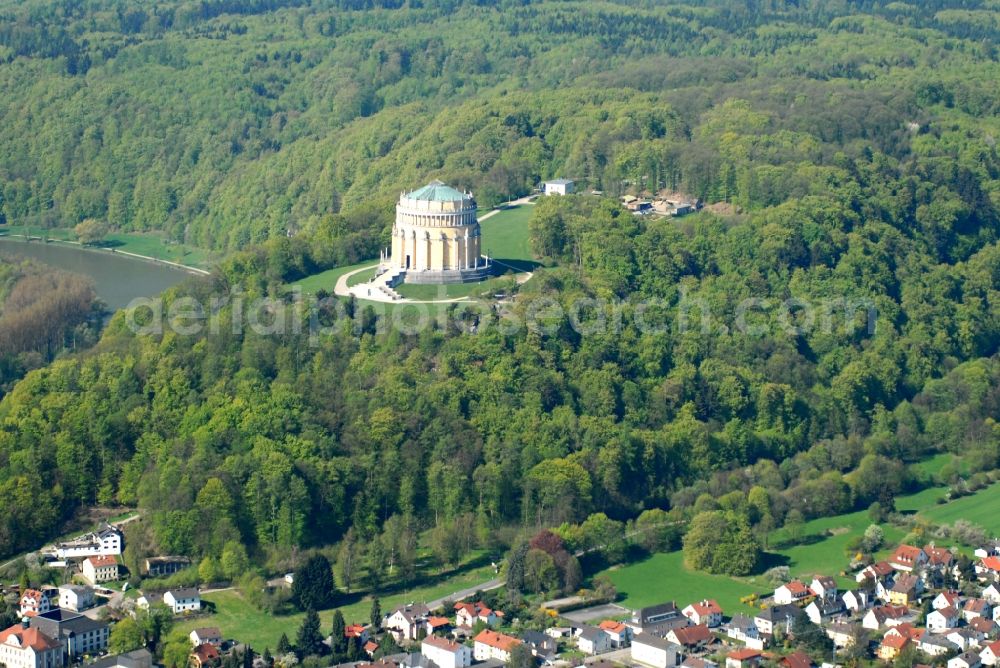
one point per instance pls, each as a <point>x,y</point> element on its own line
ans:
<point>976,607</point>
<point>990,655</point>
<point>988,569</point>
<point>965,660</point>
<point>777,617</point>
<point>856,600</point>
<point>445,653</point>
<point>892,645</point>
<point>886,615</point>
<point>559,187</point>
<point>100,568</point>
<point>691,637</point>
<point>34,602</point>
<point>78,634</point>
<point>542,646</point>
<point>106,541</point>
<point>841,633</point>
<point>467,614</point>
<point>24,646</point>
<point>908,558</point>
<point>905,590</point>
<point>819,611</point>
<point>939,558</point>
<point>358,631</point>
<point>990,549</point>
<point>824,587</point>
<point>744,658</point>
<point>698,662</point>
<point>182,600</point>
<point>877,571</point>
<point>140,658</point>
<point>984,626</point>
<point>619,632</point>
<point>657,619</point>
<point>206,634</point>
<point>158,567</point>
<point>745,630</point>
<point>75,597</point>
<point>706,612</point>
<point>943,619</point>
<point>406,621</point>
<point>792,592</point>
<point>654,651</point>
<point>436,624</point>
<point>592,640</point>
<point>965,637</point>
<point>936,645</point>
<point>947,599</point>
<point>205,655</point>
<point>797,659</point>
<point>489,644</point>
<point>992,593</point>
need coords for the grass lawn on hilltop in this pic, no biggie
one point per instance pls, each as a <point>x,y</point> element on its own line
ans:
<point>327,280</point>
<point>663,577</point>
<point>455,290</point>
<point>239,620</point>
<point>505,234</point>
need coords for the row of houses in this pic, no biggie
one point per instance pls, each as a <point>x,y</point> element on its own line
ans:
<point>52,639</point>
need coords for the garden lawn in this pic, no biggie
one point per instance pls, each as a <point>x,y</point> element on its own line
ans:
<point>327,280</point>
<point>663,577</point>
<point>505,235</point>
<point>454,290</point>
<point>241,621</point>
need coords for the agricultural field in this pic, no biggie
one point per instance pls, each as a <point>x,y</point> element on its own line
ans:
<point>981,508</point>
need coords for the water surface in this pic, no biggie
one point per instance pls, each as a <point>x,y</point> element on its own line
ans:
<point>118,278</point>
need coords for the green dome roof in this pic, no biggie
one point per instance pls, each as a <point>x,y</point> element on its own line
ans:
<point>436,191</point>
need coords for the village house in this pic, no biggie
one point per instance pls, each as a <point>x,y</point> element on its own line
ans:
<point>905,590</point>
<point>206,634</point>
<point>992,593</point>
<point>947,599</point>
<point>75,597</point>
<point>657,619</point>
<point>467,614</point>
<point>990,656</point>
<point>965,660</point>
<point>984,626</point>
<point>819,611</point>
<point>939,558</point>
<point>744,658</point>
<point>691,638</point>
<point>886,615</point>
<point>619,632</point>
<point>988,569</point>
<point>824,587</point>
<point>856,600</point>
<point>492,645</point>
<point>97,569</point>
<point>698,662</point>
<point>445,653</point>
<point>592,640</point>
<point>940,620</point>
<point>406,621</point>
<point>182,600</point>
<point>559,187</point>
<point>777,617</point>
<point>22,646</point>
<point>436,624</point>
<point>989,549</point>
<point>841,633</point>
<point>654,651</point>
<point>976,607</point>
<point>797,659</point>
<point>892,645</point>
<point>140,658</point>
<point>908,558</point>
<point>35,602</point>
<point>357,631</point>
<point>706,612</point>
<point>106,541</point>
<point>205,655</point>
<point>745,630</point>
<point>542,646</point>
<point>78,634</point>
<point>877,571</point>
<point>965,637</point>
<point>792,592</point>
<point>936,645</point>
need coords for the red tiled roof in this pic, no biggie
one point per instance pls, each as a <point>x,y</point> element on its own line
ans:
<point>354,630</point>
<point>797,660</point>
<point>611,625</point>
<point>975,605</point>
<point>797,587</point>
<point>28,637</point>
<point>707,607</point>
<point>895,641</point>
<point>692,635</point>
<point>992,563</point>
<point>205,653</point>
<point>938,555</point>
<point>499,640</point>
<point>442,643</point>
<point>744,654</point>
<point>437,622</point>
<point>371,646</point>
<point>102,561</point>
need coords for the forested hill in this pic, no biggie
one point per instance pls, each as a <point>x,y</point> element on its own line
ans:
<point>224,123</point>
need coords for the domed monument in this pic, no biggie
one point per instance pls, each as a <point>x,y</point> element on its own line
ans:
<point>436,237</point>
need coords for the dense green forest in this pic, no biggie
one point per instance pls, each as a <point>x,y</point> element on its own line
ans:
<point>853,144</point>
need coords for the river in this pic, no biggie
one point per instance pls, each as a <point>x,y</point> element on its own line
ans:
<point>117,278</point>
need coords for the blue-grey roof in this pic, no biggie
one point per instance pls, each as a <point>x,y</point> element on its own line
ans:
<point>436,191</point>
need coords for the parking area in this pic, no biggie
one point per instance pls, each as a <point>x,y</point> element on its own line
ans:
<point>596,612</point>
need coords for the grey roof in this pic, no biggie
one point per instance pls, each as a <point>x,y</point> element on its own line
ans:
<point>436,191</point>
<point>741,621</point>
<point>591,633</point>
<point>183,592</point>
<point>412,611</point>
<point>938,641</point>
<point>649,640</point>
<point>561,182</point>
<point>643,615</point>
<point>136,659</point>
<point>60,621</point>
<point>780,613</point>
<point>77,589</point>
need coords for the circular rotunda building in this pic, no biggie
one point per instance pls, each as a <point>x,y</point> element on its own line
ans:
<point>436,237</point>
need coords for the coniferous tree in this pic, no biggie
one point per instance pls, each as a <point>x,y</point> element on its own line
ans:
<point>309,640</point>
<point>375,616</point>
<point>312,586</point>
<point>338,637</point>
